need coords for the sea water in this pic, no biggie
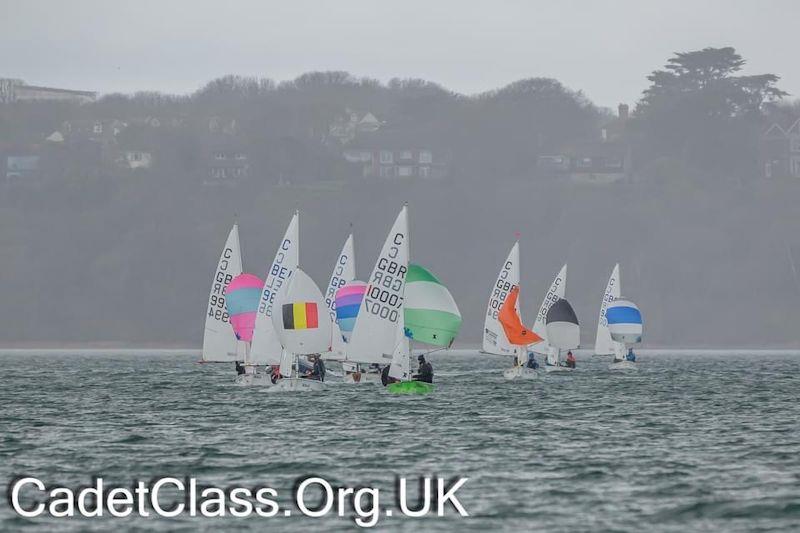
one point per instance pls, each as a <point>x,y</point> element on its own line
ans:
<point>690,441</point>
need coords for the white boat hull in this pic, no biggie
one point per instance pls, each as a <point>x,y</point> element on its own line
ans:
<point>296,385</point>
<point>622,365</point>
<point>361,377</point>
<point>520,372</point>
<point>550,369</point>
<point>253,380</point>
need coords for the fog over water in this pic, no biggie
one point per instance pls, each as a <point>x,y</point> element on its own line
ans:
<point>657,136</point>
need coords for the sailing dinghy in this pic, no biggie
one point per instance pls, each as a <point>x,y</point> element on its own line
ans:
<point>517,335</point>
<point>266,348</point>
<point>495,337</point>
<point>625,327</point>
<point>563,332</point>
<point>303,328</point>
<point>555,292</point>
<point>378,320</point>
<point>431,317</point>
<point>219,341</point>
<point>604,344</point>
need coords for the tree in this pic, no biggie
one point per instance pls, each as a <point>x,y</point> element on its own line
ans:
<point>698,108</point>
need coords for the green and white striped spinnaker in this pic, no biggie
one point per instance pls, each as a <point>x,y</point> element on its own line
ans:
<point>431,314</point>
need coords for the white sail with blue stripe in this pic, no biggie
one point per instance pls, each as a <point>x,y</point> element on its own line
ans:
<point>624,321</point>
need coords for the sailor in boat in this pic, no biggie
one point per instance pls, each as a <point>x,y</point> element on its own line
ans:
<point>425,370</point>
<point>275,374</point>
<point>239,368</point>
<point>631,356</point>
<point>532,364</point>
<point>571,362</point>
<point>386,379</point>
<point>317,371</point>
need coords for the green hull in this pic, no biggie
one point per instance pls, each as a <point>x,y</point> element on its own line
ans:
<point>410,387</point>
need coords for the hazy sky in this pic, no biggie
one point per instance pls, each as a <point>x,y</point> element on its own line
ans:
<point>605,48</point>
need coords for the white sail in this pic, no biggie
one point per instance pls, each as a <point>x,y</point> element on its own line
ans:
<point>374,335</point>
<point>344,271</point>
<point>557,290</point>
<point>603,344</point>
<point>301,322</point>
<point>494,338</point>
<point>400,367</point>
<point>266,348</point>
<point>219,341</point>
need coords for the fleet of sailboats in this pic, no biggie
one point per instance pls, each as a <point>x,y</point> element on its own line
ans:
<point>270,328</point>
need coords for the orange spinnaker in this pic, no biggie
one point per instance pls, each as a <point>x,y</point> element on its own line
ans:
<point>515,330</point>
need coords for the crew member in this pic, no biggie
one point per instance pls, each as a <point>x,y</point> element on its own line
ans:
<point>425,370</point>
<point>386,378</point>
<point>571,362</point>
<point>532,364</point>
<point>631,356</point>
<point>317,371</point>
<point>239,368</point>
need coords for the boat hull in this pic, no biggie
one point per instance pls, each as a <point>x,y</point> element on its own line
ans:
<point>520,372</point>
<point>410,387</point>
<point>253,380</point>
<point>356,378</point>
<point>296,385</point>
<point>622,365</point>
<point>557,369</point>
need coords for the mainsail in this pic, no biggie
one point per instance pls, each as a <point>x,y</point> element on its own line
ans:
<point>603,344</point>
<point>219,341</point>
<point>343,272</point>
<point>266,348</point>
<point>494,338</point>
<point>375,331</point>
<point>554,293</point>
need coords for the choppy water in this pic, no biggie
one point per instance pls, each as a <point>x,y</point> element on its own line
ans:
<point>687,443</point>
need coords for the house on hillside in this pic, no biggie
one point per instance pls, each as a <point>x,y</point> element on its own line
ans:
<point>348,125</point>
<point>779,150</point>
<point>225,161</point>
<point>20,163</point>
<point>135,159</point>
<point>604,159</point>
<point>390,162</point>
<point>22,92</point>
<point>93,130</point>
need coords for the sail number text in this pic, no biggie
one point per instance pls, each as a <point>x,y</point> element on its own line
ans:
<point>216,302</point>
<point>278,274</point>
<point>501,290</point>
<point>384,297</point>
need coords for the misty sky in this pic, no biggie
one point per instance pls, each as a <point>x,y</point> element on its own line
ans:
<point>605,48</point>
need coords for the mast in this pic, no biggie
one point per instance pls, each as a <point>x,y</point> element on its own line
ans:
<point>410,341</point>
